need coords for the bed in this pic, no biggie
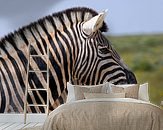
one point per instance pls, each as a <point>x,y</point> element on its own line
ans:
<point>103,111</point>
<point>106,114</point>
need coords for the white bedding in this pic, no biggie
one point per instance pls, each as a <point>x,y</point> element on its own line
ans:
<point>105,114</point>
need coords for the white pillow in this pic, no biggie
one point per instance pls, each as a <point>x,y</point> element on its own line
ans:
<point>143,92</point>
<point>104,95</point>
<point>131,90</point>
<point>71,95</point>
<point>105,88</point>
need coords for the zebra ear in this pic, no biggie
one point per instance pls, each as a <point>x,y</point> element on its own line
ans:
<point>94,23</point>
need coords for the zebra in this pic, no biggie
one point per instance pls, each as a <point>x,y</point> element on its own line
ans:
<point>79,53</point>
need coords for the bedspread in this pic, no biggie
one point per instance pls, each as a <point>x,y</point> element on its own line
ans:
<point>105,114</point>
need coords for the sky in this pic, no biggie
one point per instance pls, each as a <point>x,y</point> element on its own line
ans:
<point>123,18</point>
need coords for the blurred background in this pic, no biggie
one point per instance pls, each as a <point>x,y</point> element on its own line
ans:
<point>135,30</point>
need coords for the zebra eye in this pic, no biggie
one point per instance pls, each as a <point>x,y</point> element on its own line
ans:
<point>103,50</point>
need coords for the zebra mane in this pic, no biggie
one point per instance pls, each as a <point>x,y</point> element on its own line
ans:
<point>59,15</point>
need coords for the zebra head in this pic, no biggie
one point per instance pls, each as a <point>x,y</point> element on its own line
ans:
<point>97,60</point>
<point>78,52</point>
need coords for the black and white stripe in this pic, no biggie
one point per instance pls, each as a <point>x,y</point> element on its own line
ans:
<point>74,57</point>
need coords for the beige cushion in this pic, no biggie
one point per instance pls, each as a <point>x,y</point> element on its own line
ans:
<point>79,90</point>
<point>104,95</point>
<point>131,90</point>
<point>143,92</point>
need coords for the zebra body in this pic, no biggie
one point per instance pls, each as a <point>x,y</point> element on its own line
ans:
<point>76,55</point>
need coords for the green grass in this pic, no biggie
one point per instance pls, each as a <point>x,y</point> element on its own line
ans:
<point>144,56</point>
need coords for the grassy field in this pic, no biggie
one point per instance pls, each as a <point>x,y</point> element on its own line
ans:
<point>144,56</point>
